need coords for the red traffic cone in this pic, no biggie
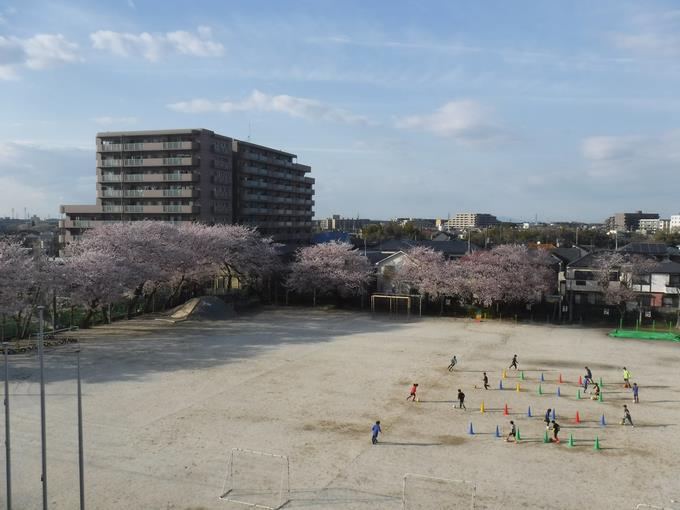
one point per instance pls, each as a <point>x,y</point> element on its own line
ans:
<point>578,418</point>
<point>580,381</point>
<point>505,410</point>
<point>560,379</point>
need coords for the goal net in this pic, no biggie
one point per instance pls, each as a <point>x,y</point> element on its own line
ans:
<point>257,479</point>
<point>428,493</point>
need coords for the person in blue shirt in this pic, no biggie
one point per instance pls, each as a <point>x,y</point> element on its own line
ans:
<point>375,430</point>
<point>588,378</point>
<point>636,389</point>
<point>547,418</point>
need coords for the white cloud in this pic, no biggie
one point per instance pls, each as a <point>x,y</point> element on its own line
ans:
<point>300,107</point>
<point>42,51</point>
<point>24,182</point>
<point>154,47</point>
<point>631,156</point>
<point>108,121</point>
<point>462,121</point>
<point>654,33</point>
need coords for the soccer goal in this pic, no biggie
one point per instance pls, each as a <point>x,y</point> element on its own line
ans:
<point>428,493</point>
<point>257,479</point>
<point>397,304</point>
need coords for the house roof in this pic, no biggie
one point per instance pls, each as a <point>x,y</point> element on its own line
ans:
<point>568,255</point>
<point>667,267</point>
<point>648,249</point>
<point>447,247</point>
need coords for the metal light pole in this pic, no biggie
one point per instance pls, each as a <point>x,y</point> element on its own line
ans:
<point>80,436</point>
<point>43,434</point>
<point>8,461</point>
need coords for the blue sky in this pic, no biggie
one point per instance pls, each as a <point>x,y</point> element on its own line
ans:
<point>565,110</point>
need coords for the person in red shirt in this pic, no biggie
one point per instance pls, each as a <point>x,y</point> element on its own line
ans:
<point>412,395</point>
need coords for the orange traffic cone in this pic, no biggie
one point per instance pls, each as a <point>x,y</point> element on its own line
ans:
<point>505,410</point>
<point>580,381</point>
<point>578,418</point>
<point>560,379</point>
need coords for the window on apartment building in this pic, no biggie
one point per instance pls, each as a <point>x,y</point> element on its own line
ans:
<point>674,280</point>
<point>645,300</point>
<point>642,279</point>
<point>584,275</point>
<point>671,301</point>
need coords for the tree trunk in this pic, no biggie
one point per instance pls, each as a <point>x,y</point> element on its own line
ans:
<point>149,301</point>
<point>86,321</point>
<point>174,294</point>
<point>314,297</point>
<point>132,302</point>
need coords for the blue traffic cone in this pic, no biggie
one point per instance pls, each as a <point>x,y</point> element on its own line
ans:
<point>558,392</point>
<point>529,412</point>
<point>500,384</point>
<point>498,431</point>
<point>471,431</point>
<point>602,422</point>
<point>553,414</point>
<point>542,378</point>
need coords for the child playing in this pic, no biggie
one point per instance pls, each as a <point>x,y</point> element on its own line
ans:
<point>461,400</point>
<point>412,395</point>
<point>626,416</point>
<point>636,390</point>
<point>513,364</point>
<point>513,432</point>
<point>486,381</point>
<point>547,418</point>
<point>556,431</point>
<point>453,363</point>
<point>375,430</point>
<point>596,392</point>
<point>626,378</point>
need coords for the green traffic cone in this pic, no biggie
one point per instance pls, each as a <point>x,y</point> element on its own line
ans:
<point>600,383</point>
<point>578,394</point>
<point>596,447</point>
<point>570,444</point>
<point>546,437</point>
<point>599,398</point>
<point>521,375</point>
<point>517,436</point>
<point>540,390</point>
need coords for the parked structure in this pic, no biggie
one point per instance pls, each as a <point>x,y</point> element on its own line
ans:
<point>195,175</point>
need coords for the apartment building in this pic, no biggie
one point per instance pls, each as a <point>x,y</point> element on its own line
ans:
<point>337,222</point>
<point>463,221</point>
<point>195,175</point>
<point>628,222</point>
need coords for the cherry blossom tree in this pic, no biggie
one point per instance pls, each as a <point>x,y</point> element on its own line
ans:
<point>144,246</point>
<point>616,276</point>
<point>507,274</point>
<point>94,278</point>
<point>428,271</point>
<point>329,268</point>
<point>19,287</point>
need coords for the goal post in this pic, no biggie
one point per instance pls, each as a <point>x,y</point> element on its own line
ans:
<point>257,479</point>
<point>397,303</point>
<point>420,492</point>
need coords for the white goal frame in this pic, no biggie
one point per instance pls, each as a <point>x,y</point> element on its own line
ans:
<point>471,485</point>
<point>394,299</point>
<point>284,488</point>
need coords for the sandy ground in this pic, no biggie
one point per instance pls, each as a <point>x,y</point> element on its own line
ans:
<point>164,404</point>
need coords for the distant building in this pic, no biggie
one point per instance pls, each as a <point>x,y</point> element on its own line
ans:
<point>652,226</point>
<point>674,223</point>
<point>336,222</point>
<point>195,175</point>
<point>463,221</point>
<point>628,222</point>
<point>417,222</point>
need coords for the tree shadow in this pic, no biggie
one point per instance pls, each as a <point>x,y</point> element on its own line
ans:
<point>128,350</point>
<point>397,443</point>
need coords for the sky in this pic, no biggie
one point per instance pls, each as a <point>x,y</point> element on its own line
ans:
<point>524,109</point>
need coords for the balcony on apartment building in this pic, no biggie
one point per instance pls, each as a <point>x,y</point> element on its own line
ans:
<point>145,146</point>
<point>147,193</point>
<point>151,177</point>
<point>151,209</point>
<point>146,162</point>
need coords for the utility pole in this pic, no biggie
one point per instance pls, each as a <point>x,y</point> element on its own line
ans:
<point>43,429</point>
<point>8,461</point>
<point>81,466</point>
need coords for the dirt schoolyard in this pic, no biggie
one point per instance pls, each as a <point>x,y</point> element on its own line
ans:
<point>164,404</point>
